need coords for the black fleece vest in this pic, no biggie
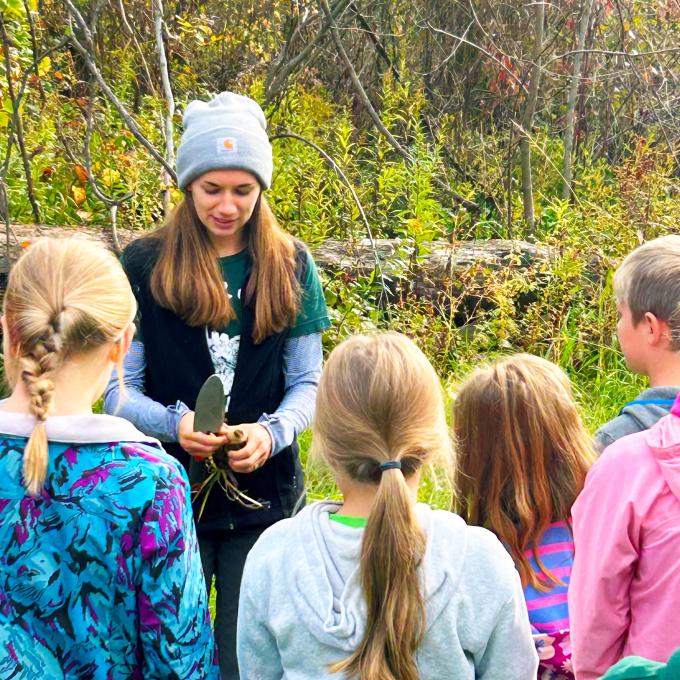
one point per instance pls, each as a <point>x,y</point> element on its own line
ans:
<point>178,362</point>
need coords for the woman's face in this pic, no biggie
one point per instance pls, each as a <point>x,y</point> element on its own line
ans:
<point>224,201</point>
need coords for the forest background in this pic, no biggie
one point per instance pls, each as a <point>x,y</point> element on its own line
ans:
<point>426,121</point>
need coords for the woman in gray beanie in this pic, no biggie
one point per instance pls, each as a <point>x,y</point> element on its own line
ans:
<point>223,289</point>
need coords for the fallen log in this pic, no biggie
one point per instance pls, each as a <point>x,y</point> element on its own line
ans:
<point>23,234</point>
<point>437,261</point>
<point>462,273</point>
<point>439,266</point>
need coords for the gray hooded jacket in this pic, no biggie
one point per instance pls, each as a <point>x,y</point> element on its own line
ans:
<point>302,607</point>
<point>647,408</point>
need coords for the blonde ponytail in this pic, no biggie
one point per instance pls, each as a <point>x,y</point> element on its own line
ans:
<point>392,548</point>
<point>64,296</point>
<point>379,399</point>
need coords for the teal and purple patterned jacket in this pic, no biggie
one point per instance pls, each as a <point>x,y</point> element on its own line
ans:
<point>100,576</point>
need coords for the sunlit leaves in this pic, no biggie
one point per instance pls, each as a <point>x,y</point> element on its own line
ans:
<point>44,67</point>
<point>78,194</point>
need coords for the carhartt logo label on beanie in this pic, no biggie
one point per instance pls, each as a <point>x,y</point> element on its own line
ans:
<point>227,133</point>
<point>227,145</point>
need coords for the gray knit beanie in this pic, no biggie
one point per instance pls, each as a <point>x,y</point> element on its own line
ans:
<point>228,132</point>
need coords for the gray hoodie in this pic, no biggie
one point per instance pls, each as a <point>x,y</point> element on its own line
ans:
<point>302,607</point>
<point>647,408</point>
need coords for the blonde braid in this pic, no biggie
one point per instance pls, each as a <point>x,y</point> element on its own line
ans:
<point>37,369</point>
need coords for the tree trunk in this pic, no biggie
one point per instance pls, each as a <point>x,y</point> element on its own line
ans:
<point>584,23</point>
<point>528,120</point>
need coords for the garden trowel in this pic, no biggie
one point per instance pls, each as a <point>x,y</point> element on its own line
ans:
<point>215,470</point>
<point>210,403</point>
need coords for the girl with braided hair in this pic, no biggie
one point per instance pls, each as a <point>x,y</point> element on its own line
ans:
<point>100,572</point>
<point>378,587</point>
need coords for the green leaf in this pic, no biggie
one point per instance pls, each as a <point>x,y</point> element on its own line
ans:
<point>11,8</point>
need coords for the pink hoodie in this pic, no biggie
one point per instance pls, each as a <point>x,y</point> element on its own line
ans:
<point>624,594</point>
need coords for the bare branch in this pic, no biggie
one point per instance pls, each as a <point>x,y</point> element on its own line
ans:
<point>638,75</point>
<point>110,95</point>
<point>291,135</point>
<point>34,43</point>
<point>528,118</point>
<point>359,88</point>
<point>493,58</point>
<point>9,231</point>
<point>169,101</point>
<point>584,23</point>
<point>375,39</point>
<point>130,31</point>
<point>277,78</point>
<point>451,54</point>
<point>18,125</point>
<point>612,53</point>
<point>110,202</point>
<point>20,95</point>
<point>361,93</point>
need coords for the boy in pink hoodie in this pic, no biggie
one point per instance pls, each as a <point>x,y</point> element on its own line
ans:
<point>624,593</point>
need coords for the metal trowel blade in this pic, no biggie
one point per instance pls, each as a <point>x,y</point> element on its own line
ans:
<point>210,403</point>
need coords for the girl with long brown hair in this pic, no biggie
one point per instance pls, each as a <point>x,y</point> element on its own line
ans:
<point>378,587</point>
<point>223,289</point>
<point>523,455</point>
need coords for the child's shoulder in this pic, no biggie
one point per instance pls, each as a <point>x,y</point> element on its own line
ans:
<point>456,526</point>
<point>275,543</point>
<point>476,550</point>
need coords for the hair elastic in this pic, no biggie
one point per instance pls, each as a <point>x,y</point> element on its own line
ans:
<point>390,465</point>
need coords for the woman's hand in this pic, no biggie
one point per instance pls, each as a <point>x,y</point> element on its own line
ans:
<point>199,444</point>
<point>257,449</point>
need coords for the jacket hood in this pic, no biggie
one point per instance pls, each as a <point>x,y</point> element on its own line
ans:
<point>650,405</point>
<point>664,442</point>
<point>327,588</point>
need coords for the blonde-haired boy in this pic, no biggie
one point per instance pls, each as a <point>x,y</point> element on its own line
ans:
<point>647,289</point>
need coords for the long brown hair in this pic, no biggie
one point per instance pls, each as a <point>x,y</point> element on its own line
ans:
<point>379,399</point>
<point>64,297</point>
<point>522,454</point>
<point>187,278</point>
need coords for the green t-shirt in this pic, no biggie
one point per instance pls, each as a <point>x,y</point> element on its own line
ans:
<point>354,522</point>
<point>313,315</point>
<point>224,343</point>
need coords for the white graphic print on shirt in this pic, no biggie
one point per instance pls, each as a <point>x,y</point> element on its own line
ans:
<point>224,353</point>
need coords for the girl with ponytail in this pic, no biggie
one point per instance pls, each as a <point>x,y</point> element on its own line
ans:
<point>378,587</point>
<point>100,572</point>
